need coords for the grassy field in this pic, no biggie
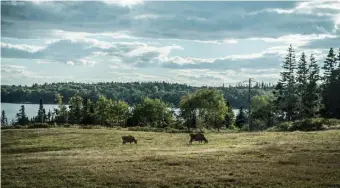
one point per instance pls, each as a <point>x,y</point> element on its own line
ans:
<point>71,157</point>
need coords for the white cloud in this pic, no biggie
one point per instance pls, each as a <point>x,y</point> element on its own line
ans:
<point>146,16</point>
<point>124,2</point>
<point>22,47</point>
<point>70,63</point>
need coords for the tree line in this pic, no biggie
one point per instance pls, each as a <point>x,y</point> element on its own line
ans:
<point>132,92</point>
<point>306,89</point>
<point>204,108</point>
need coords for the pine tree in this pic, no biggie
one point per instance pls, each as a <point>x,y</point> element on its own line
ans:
<point>302,77</point>
<point>3,118</point>
<point>241,118</point>
<point>329,66</point>
<point>288,104</point>
<point>330,90</point>
<point>22,119</point>
<point>311,100</point>
<point>41,112</point>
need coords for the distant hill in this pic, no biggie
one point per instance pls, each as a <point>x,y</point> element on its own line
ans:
<point>131,92</point>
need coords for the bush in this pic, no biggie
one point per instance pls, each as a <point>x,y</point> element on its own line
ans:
<point>331,122</point>
<point>258,124</point>
<point>245,128</point>
<point>285,126</point>
<point>39,125</point>
<point>313,124</point>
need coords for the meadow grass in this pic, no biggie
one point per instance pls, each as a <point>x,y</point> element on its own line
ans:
<point>71,157</point>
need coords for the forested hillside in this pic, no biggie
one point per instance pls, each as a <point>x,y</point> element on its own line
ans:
<point>132,92</point>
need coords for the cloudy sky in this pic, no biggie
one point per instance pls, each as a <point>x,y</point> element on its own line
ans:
<point>198,43</point>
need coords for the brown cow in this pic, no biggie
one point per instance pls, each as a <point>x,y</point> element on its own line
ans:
<point>129,139</point>
<point>197,137</point>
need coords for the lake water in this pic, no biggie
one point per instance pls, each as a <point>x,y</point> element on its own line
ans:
<point>11,109</point>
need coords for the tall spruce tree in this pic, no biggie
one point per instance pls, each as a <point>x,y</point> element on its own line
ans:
<point>329,66</point>
<point>241,118</point>
<point>41,112</point>
<point>302,79</point>
<point>312,99</point>
<point>22,119</point>
<point>330,88</point>
<point>289,101</point>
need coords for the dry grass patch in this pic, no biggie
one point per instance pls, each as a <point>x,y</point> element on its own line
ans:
<point>70,157</point>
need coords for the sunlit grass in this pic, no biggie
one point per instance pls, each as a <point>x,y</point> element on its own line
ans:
<point>70,157</point>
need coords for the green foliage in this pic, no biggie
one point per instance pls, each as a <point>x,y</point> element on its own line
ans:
<point>313,124</point>
<point>284,126</point>
<point>309,124</point>
<point>132,92</point>
<point>262,115</point>
<point>241,119</point>
<point>22,119</point>
<point>205,104</point>
<point>152,112</point>
<point>230,116</point>
<point>288,90</point>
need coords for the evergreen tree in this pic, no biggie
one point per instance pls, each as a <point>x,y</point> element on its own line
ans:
<point>330,90</point>
<point>22,119</point>
<point>311,99</point>
<point>302,79</point>
<point>329,66</point>
<point>41,112</point>
<point>3,118</point>
<point>241,118</point>
<point>288,104</point>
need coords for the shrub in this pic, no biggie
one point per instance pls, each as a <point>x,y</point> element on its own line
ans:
<point>313,124</point>
<point>331,122</point>
<point>285,126</point>
<point>245,128</point>
<point>39,125</point>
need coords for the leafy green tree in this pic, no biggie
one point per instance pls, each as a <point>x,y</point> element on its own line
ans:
<point>75,115</point>
<point>229,117</point>
<point>119,113</point>
<point>101,110</point>
<point>205,104</point>
<point>61,114</point>
<point>22,119</point>
<point>241,118</point>
<point>3,118</point>
<point>262,109</point>
<point>153,112</point>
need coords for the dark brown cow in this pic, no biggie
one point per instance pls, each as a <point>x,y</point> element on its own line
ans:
<point>129,139</point>
<point>197,137</point>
